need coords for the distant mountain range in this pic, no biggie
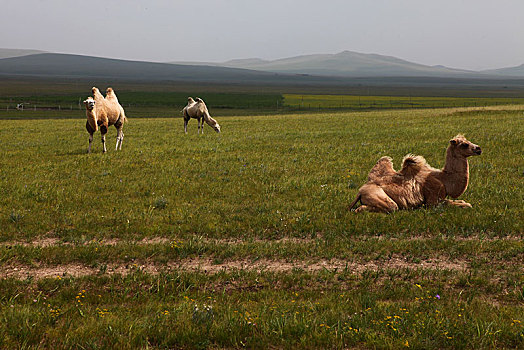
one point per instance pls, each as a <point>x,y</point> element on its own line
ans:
<point>343,64</point>
<point>307,69</point>
<point>355,64</point>
<point>76,66</point>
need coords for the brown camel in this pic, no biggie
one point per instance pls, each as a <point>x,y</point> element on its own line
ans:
<point>104,112</point>
<point>198,110</point>
<point>417,183</point>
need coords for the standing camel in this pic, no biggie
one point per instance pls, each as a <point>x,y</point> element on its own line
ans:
<point>417,183</point>
<point>198,110</point>
<point>104,112</point>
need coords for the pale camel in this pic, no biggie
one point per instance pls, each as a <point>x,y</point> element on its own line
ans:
<point>104,112</point>
<point>417,183</point>
<point>198,110</point>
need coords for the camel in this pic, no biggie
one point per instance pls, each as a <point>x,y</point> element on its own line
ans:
<point>104,112</point>
<point>417,183</point>
<point>198,110</point>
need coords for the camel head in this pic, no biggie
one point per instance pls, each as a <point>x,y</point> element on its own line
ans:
<point>462,147</point>
<point>89,103</point>
<point>216,127</point>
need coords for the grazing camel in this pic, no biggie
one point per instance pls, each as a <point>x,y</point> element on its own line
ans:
<point>104,112</point>
<point>417,183</point>
<point>198,110</point>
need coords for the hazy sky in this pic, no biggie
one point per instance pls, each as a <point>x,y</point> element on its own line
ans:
<point>470,34</point>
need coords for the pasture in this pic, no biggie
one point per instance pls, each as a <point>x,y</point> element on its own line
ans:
<point>322,102</point>
<point>243,239</point>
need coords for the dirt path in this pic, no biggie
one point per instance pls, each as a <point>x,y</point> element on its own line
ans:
<point>209,266</point>
<point>52,241</point>
<point>206,265</point>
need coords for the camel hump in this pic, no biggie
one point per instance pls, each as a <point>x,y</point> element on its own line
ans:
<point>110,94</point>
<point>199,100</point>
<point>383,168</point>
<point>96,94</point>
<point>412,164</point>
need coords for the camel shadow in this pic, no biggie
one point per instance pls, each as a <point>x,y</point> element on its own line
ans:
<point>74,152</point>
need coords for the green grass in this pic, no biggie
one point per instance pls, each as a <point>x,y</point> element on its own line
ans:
<point>176,100</point>
<point>253,310</point>
<point>269,193</point>
<point>151,104</point>
<point>60,103</point>
<point>307,101</point>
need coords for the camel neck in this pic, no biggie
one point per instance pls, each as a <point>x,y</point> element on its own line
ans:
<point>91,119</point>
<point>455,174</point>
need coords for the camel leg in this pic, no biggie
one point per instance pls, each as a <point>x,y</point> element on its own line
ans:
<point>202,125</point>
<point>119,137</point>
<point>373,198</point>
<point>104,143</point>
<point>90,142</point>
<point>458,203</point>
<point>103,131</point>
<point>185,126</point>
<point>91,131</point>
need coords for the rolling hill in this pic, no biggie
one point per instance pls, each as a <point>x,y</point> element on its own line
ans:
<point>517,71</point>
<point>376,74</point>
<point>7,53</point>
<point>52,65</point>
<point>343,64</point>
<point>346,64</point>
<point>71,66</point>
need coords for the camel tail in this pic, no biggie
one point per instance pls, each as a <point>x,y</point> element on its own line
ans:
<point>123,115</point>
<point>354,202</point>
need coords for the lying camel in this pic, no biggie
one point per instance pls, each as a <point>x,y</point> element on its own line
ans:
<point>104,112</point>
<point>198,110</point>
<point>417,183</point>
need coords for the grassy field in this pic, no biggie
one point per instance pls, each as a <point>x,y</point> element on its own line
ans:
<point>153,104</point>
<point>137,103</point>
<point>308,101</point>
<point>43,99</point>
<point>243,239</point>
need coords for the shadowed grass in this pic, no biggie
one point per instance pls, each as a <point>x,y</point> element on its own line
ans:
<point>308,101</point>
